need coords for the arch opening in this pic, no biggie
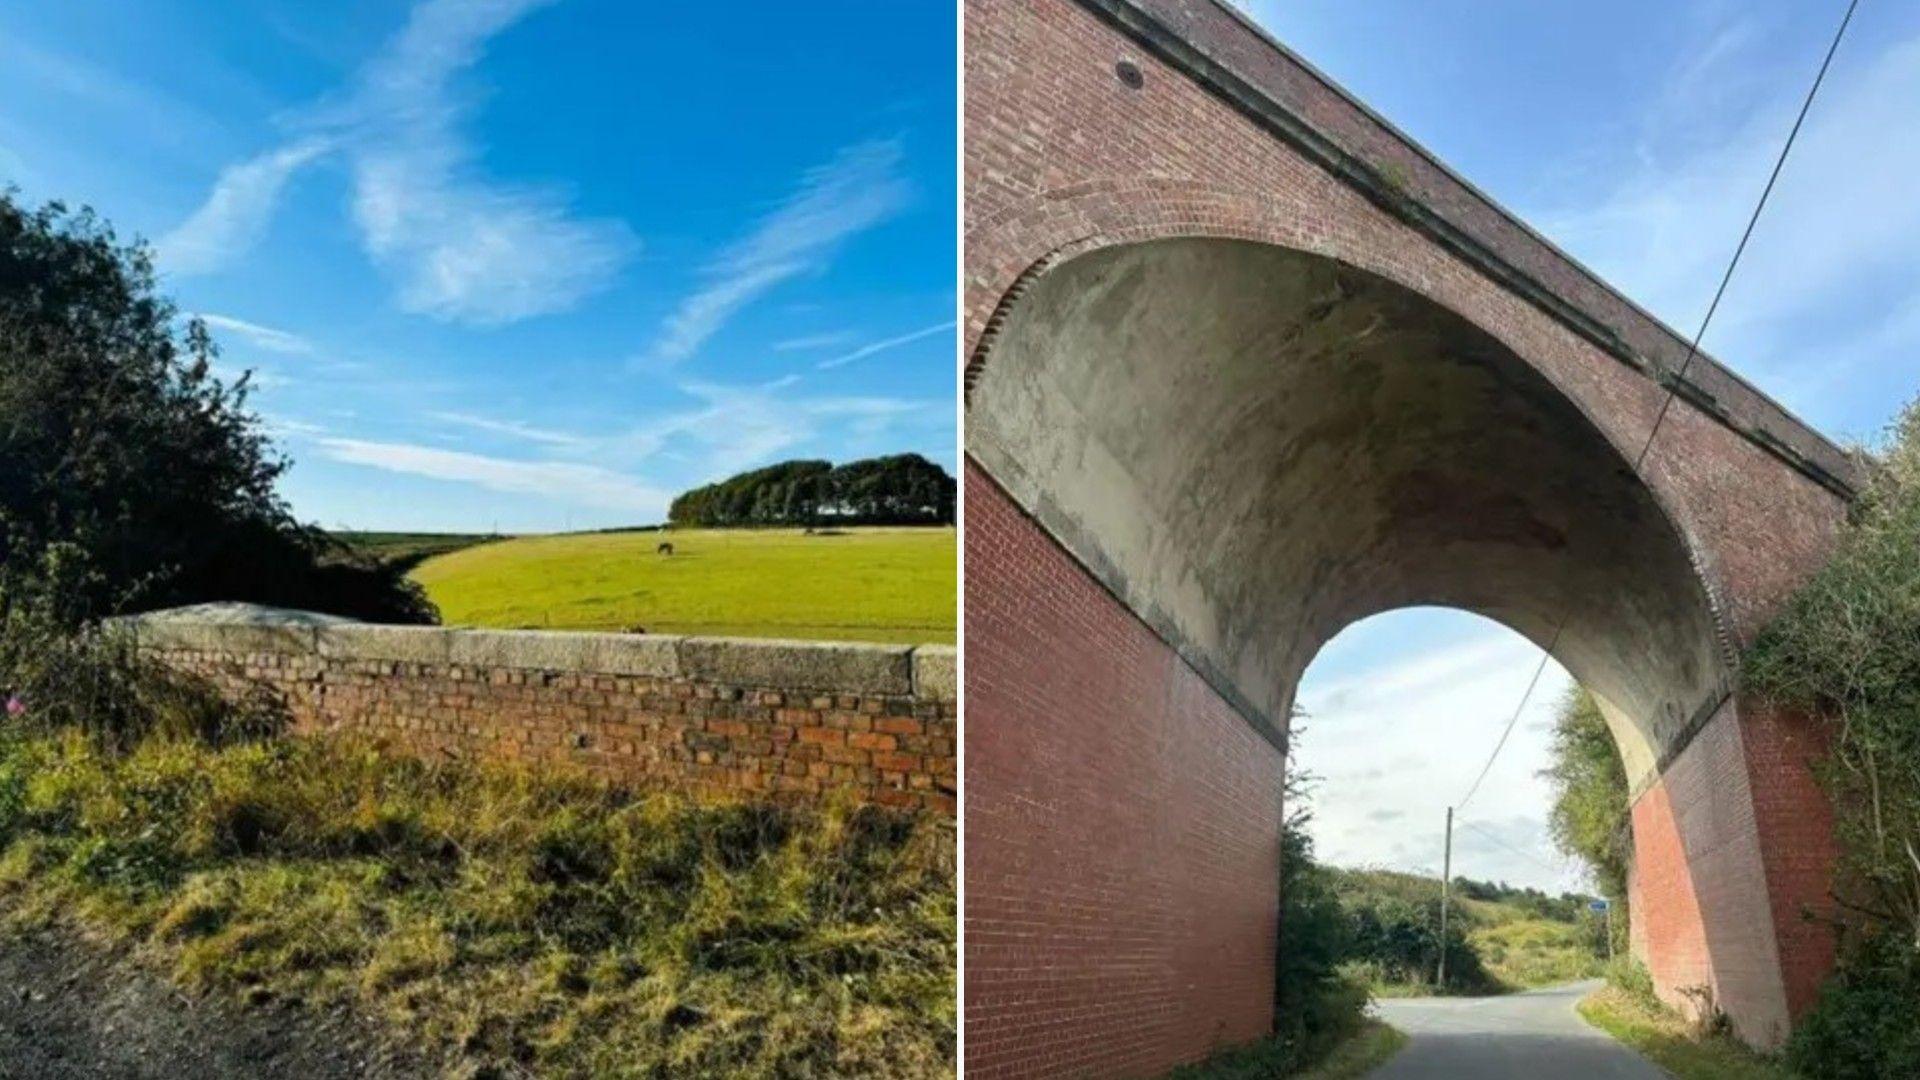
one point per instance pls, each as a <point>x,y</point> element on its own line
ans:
<point>1255,447</point>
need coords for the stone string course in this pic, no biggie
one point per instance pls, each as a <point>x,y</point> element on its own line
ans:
<point>788,719</point>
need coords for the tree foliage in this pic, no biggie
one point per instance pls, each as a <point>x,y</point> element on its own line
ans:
<point>122,452</point>
<point>1847,648</point>
<point>1590,818</point>
<point>1316,1005</point>
<point>903,489</point>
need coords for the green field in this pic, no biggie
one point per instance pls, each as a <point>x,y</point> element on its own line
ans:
<point>878,584</point>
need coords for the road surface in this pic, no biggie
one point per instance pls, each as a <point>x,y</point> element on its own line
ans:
<point>1519,1036</point>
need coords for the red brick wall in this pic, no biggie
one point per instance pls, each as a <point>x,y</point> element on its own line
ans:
<point>1792,813</point>
<point>1122,827</point>
<point>656,732</point>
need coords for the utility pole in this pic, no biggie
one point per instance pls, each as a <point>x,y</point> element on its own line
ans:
<point>1446,889</point>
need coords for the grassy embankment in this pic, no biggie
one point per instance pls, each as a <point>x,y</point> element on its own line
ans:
<point>502,920</point>
<point>1266,1060</point>
<point>1669,1041</point>
<point>1518,946</point>
<point>871,584</point>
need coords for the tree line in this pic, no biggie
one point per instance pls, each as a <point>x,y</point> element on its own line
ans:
<point>899,489</point>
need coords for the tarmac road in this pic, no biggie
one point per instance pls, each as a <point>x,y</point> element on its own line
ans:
<point>1525,1036</point>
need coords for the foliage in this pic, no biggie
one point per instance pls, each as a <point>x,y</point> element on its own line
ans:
<point>1673,1043</point>
<point>1847,648</point>
<point>1532,952</point>
<point>903,489</point>
<point>1863,1026</point>
<point>117,441</point>
<point>1591,818</point>
<point>892,585</point>
<point>59,672</point>
<point>511,921</point>
<point>1316,1005</point>
<point>1394,935</point>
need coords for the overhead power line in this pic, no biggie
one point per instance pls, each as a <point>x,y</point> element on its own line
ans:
<point>1673,384</point>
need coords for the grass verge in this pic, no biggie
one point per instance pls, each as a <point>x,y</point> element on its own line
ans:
<point>1371,1046</point>
<point>896,585</point>
<point>509,921</point>
<point>1670,1042</point>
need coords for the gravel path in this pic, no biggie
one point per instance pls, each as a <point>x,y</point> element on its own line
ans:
<point>70,1009</point>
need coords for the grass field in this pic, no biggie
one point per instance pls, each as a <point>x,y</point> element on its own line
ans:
<point>882,584</point>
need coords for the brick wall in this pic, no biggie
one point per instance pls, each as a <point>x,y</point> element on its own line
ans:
<point>1122,827</point>
<point>791,720</point>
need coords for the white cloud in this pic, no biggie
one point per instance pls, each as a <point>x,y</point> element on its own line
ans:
<point>265,337</point>
<point>459,246</point>
<point>740,426</point>
<point>883,345</point>
<point>814,341</point>
<point>857,190</point>
<point>513,428</point>
<point>585,485</point>
<point>237,211</point>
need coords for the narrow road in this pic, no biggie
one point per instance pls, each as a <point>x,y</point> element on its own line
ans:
<point>1522,1036</point>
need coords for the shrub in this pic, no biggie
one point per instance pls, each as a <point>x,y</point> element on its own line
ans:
<point>121,445</point>
<point>1591,818</point>
<point>1864,1025</point>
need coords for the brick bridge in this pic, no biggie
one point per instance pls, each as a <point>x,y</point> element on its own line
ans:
<point>1246,365</point>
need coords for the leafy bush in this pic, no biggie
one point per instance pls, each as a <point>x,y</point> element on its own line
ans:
<point>1591,817</point>
<point>1864,1025</point>
<point>121,445</point>
<point>1847,648</point>
<point>1317,1006</point>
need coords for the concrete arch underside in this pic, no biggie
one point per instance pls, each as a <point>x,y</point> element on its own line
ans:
<point>1192,461</point>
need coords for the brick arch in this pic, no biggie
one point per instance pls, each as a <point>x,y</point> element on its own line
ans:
<point>1010,251</point>
<point>1709,911</point>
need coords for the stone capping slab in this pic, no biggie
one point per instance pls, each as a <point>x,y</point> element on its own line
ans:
<point>925,672</point>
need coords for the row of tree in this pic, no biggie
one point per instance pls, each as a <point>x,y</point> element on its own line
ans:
<point>901,489</point>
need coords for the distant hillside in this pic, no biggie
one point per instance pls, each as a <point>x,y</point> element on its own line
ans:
<point>903,489</point>
<point>405,550</point>
<point>1502,937</point>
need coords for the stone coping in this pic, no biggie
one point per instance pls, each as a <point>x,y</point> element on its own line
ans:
<point>921,671</point>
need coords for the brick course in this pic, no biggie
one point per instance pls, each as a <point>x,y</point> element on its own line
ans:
<point>790,738</point>
<point>1122,827</point>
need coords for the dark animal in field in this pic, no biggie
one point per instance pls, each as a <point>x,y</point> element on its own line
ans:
<point>663,549</point>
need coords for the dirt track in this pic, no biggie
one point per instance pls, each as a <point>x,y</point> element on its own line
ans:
<point>69,1009</point>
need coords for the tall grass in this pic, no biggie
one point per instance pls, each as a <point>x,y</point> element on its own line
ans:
<point>514,922</point>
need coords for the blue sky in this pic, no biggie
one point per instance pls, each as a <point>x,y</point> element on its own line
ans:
<point>1636,136</point>
<point>526,264</point>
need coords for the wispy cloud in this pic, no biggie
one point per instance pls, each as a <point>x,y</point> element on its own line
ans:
<point>511,428</point>
<point>857,190</point>
<point>883,345</point>
<point>811,341</point>
<point>1838,238</point>
<point>265,337</point>
<point>237,211</point>
<point>735,427</point>
<point>459,246</point>
<point>585,485</point>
